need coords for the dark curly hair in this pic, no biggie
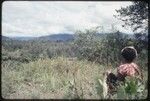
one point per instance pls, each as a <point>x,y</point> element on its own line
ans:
<point>129,54</point>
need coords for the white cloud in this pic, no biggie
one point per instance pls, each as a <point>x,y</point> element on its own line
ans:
<point>30,18</point>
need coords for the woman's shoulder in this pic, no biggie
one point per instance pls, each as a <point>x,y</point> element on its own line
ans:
<point>134,65</point>
<point>128,65</point>
<point>122,66</point>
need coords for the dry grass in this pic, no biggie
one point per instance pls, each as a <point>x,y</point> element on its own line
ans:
<point>51,78</point>
<point>57,78</point>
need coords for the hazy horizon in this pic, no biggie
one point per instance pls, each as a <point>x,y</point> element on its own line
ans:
<point>37,36</point>
<point>50,34</point>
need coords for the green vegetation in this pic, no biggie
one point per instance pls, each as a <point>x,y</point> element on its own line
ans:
<point>69,70</point>
<point>55,78</point>
<point>51,78</point>
<point>135,16</point>
<point>106,49</point>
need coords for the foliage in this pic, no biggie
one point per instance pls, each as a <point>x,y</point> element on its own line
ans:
<point>32,50</point>
<point>106,50</point>
<point>87,44</point>
<point>135,15</point>
<point>133,88</point>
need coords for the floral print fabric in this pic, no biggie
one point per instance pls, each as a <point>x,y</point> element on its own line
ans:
<point>127,69</point>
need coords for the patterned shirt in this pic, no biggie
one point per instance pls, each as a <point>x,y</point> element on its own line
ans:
<point>128,69</point>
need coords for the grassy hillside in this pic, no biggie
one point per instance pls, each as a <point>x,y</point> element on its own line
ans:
<point>62,78</point>
<point>51,78</point>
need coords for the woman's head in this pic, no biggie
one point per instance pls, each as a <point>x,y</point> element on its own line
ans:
<point>129,53</point>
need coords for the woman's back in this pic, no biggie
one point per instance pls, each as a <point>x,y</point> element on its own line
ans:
<point>127,69</point>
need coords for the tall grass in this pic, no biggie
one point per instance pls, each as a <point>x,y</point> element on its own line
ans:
<point>51,78</point>
<point>56,78</point>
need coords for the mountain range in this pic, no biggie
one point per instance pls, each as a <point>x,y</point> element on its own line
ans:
<point>57,37</point>
<point>53,37</point>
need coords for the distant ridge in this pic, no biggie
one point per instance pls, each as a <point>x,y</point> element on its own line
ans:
<point>58,37</point>
<point>55,37</point>
<point>5,38</point>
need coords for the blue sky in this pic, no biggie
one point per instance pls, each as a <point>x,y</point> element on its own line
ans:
<point>38,18</point>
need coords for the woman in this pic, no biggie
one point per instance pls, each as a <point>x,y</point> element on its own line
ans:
<point>127,68</point>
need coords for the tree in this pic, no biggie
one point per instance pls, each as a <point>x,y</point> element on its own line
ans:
<point>135,15</point>
<point>114,42</point>
<point>89,45</point>
<point>100,48</point>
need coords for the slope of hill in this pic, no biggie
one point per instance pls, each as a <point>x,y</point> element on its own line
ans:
<point>53,37</point>
<point>23,38</point>
<point>57,37</point>
<point>5,38</point>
